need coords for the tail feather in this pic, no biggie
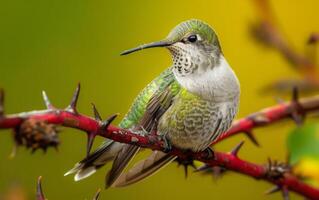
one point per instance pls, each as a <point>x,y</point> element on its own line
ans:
<point>97,159</point>
<point>122,154</point>
<point>84,173</point>
<point>122,159</point>
<point>145,168</point>
<point>75,169</point>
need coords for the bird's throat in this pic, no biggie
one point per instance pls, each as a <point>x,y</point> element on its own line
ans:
<point>218,83</point>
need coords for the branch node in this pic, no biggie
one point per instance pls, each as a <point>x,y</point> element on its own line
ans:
<point>74,101</point>
<point>276,170</point>
<point>47,100</point>
<point>236,149</point>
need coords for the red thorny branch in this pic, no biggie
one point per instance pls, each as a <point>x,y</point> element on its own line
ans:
<point>36,129</point>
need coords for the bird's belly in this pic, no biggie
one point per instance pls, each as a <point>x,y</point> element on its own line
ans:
<point>194,123</point>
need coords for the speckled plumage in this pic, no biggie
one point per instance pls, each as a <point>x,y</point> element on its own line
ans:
<point>190,104</point>
<point>194,123</point>
<point>191,122</point>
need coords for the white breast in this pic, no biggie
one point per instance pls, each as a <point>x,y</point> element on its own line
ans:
<point>218,83</point>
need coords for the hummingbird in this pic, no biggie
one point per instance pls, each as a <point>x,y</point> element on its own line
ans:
<point>190,105</point>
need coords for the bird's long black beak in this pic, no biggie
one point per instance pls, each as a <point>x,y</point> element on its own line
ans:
<point>162,43</point>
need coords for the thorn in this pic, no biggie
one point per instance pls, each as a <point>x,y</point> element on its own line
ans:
<point>33,150</point>
<point>218,172</point>
<point>202,168</point>
<point>313,38</point>
<point>45,149</point>
<point>298,119</point>
<point>90,141</point>
<point>235,150</point>
<point>97,194</point>
<point>313,47</point>
<point>272,190</point>
<point>56,148</point>
<point>297,113</point>
<point>283,189</point>
<point>74,101</point>
<point>108,121</point>
<point>1,102</point>
<point>40,195</point>
<point>186,162</point>
<point>252,138</point>
<point>96,113</point>
<point>285,193</point>
<point>47,100</point>
<point>185,171</point>
<point>295,94</point>
<point>104,126</point>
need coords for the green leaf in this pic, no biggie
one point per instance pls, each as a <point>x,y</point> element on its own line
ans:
<point>303,143</point>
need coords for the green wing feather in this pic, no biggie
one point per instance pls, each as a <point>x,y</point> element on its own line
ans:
<point>166,88</point>
<point>144,114</point>
<point>148,106</point>
<point>154,90</point>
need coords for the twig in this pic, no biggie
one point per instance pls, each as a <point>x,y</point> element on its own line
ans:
<point>268,32</point>
<point>274,37</point>
<point>40,194</point>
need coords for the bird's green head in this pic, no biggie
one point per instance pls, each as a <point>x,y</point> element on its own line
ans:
<point>192,33</point>
<point>193,44</point>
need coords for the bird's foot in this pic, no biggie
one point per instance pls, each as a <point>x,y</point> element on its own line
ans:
<point>166,144</point>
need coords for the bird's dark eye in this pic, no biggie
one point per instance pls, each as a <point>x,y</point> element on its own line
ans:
<point>192,38</point>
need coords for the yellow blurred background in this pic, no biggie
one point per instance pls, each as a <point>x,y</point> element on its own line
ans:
<point>52,45</point>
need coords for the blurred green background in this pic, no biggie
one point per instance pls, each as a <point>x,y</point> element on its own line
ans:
<point>52,45</point>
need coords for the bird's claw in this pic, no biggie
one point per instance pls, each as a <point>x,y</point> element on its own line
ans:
<point>166,145</point>
<point>209,153</point>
